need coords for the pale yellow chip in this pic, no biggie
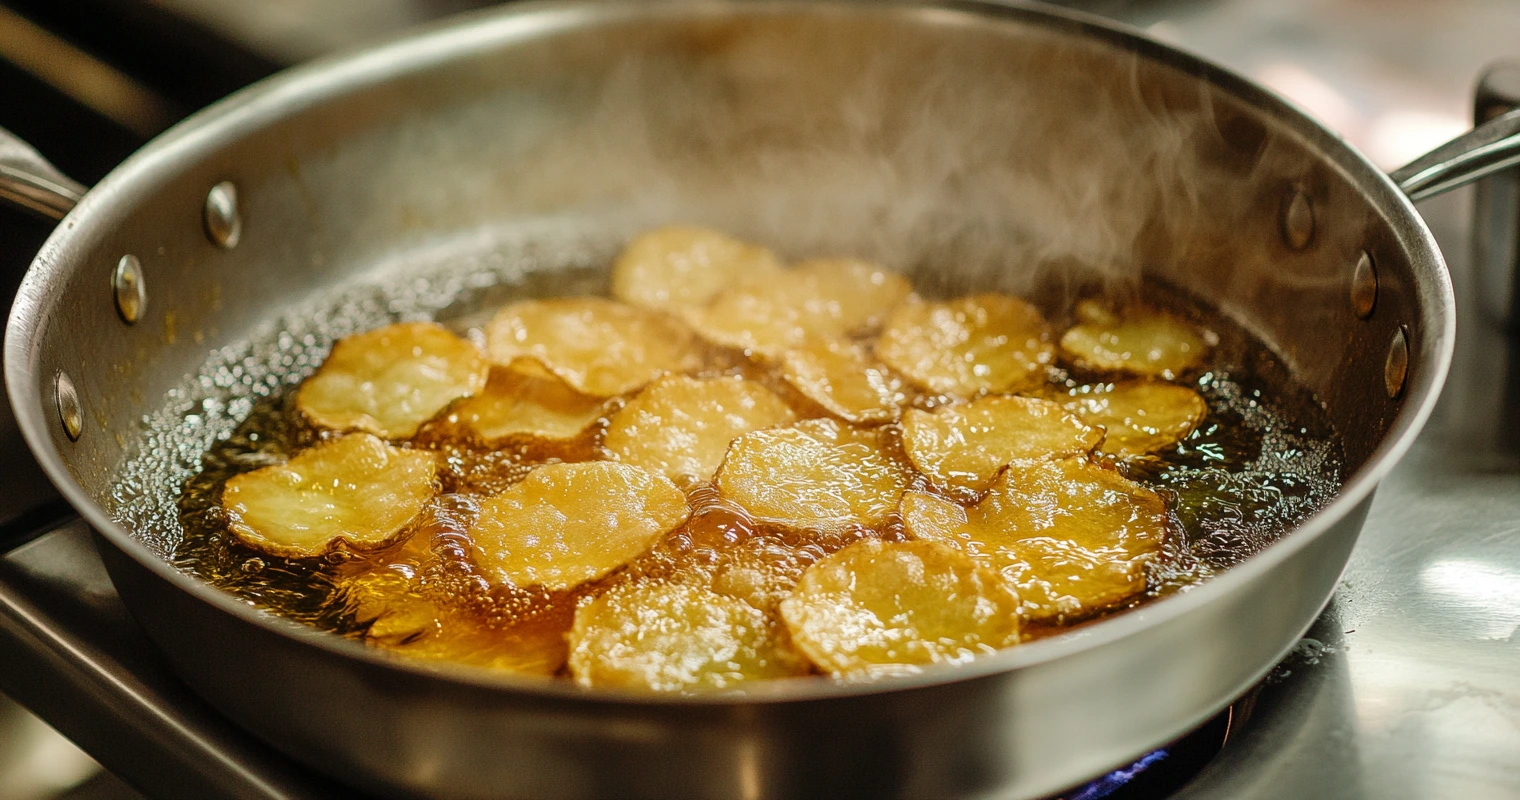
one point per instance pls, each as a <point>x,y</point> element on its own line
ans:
<point>877,607</point>
<point>600,347</point>
<point>355,491</point>
<point>390,380</point>
<point>980,343</point>
<point>674,637</point>
<point>1139,417</point>
<point>966,445</point>
<point>822,297</point>
<point>1073,536</point>
<point>524,399</point>
<point>682,267</point>
<point>819,474</point>
<point>844,379</point>
<point>682,427</point>
<point>566,524</point>
<point>1149,343</point>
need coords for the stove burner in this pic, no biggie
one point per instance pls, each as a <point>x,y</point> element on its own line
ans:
<point>1163,771</point>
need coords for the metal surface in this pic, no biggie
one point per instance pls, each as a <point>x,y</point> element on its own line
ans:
<point>224,221</point>
<point>1115,688</point>
<point>29,181</point>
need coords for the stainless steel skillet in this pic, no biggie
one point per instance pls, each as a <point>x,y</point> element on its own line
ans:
<point>1020,144</point>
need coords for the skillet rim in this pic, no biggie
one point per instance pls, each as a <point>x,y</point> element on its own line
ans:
<point>318,81</point>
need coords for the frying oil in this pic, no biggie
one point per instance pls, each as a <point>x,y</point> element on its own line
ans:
<point>1261,462</point>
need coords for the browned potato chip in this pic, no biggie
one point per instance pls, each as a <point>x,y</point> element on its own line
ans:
<point>525,399</point>
<point>599,347</point>
<point>674,637</point>
<point>822,297</point>
<point>981,343</point>
<point>354,491</point>
<point>877,607</point>
<point>566,524</point>
<point>680,267</point>
<point>1071,535</point>
<point>390,380</point>
<point>844,379</point>
<point>682,426</point>
<point>966,445</point>
<point>819,474</point>
<point>1149,343</point>
<point>1139,416</point>
<point>403,619</point>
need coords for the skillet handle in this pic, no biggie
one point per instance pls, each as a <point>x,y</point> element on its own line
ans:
<point>1482,151</point>
<point>28,181</point>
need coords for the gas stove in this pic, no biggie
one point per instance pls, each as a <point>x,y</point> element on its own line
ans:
<point>1407,686</point>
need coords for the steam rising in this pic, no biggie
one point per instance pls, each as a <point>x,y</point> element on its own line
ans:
<point>994,161</point>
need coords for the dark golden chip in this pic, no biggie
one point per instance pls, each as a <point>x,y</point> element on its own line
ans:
<point>818,474</point>
<point>525,399</point>
<point>676,637</point>
<point>1071,535</point>
<point>1138,417</point>
<point>390,380</point>
<point>682,426</point>
<point>844,379</point>
<point>600,347</point>
<point>966,445</point>
<point>679,267</point>
<point>877,607</point>
<point>354,491</point>
<point>820,298</point>
<point>566,524</point>
<point>1148,343</point>
<point>981,343</point>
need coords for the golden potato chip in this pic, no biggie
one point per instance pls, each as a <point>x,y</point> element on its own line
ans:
<point>390,380</point>
<point>680,266</point>
<point>1139,417</point>
<point>877,607</point>
<point>524,399</point>
<point>401,618</point>
<point>598,346</point>
<point>981,343</point>
<point>1148,343</point>
<point>356,491</point>
<point>1071,535</point>
<point>844,379</point>
<point>566,524</point>
<point>819,474</point>
<point>682,426</point>
<point>966,445</point>
<point>673,637</point>
<point>822,297</point>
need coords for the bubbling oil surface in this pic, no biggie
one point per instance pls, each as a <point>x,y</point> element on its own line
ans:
<point>1261,462</point>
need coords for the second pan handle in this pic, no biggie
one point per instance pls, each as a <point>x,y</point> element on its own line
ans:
<point>27,180</point>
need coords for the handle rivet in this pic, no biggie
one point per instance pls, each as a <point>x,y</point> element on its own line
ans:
<point>1364,286</point>
<point>1298,220</point>
<point>224,223</point>
<point>128,288</point>
<point>1396,368</point>
<point>66,397</point>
